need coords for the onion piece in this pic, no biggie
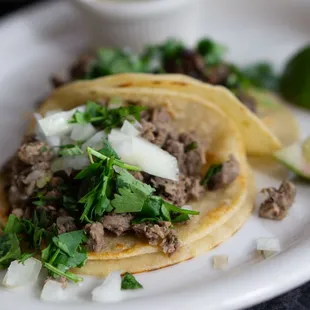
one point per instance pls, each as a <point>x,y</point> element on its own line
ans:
<point>19,274</point>
<point>96,141</point>
<point>129,129</point>
<point>268,244</point>
<point>52,112</point>
<point>149,157</point>
<point>82,132</point>
<point>70,162</point>
<point>57,124</point>
<point>52,291</point>
<point>53,141</point>
<point>110,289</point>
<point>220,261</point>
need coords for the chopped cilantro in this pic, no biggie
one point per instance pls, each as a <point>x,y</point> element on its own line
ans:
<point>66,252</point>
<point>25,256</point>
<point>106,118</point>
<point>128,201</point>
<point>125,179</point>
<point>9,249</point>
<point>212,52</point>
<point>190,147</point>
<point>129,282</point>
<point>13,225</point>
<point>108,150</point>
<point>214,169</point>
<point>70,150</point>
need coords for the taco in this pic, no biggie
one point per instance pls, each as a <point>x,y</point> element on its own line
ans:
<point>129,178</point>
<point>266,122</point>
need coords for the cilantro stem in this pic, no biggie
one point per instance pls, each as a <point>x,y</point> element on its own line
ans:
<point>116,162</point>
<point>95,119</point>
<point>108,177</point>
<point>69,275</point>
<point>173,208</point>
<point>90,155</point>
<point>54,256</point>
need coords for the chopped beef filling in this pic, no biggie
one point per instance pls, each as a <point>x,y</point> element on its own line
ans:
<point>35,152</point>
<point>158,234</point>
<point>156,128</point>
<point>29,171</point>
<point>278,201</point>
<point>117,223</point>
<point>65,224</point>
<point>33,190</point>
<point>95,236</point>
<point>228,173</point>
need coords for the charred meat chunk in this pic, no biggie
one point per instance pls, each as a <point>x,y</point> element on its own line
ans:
<point>117,223</point>
<point>227,174</point>
<point>95,236</point>
<point>35,152</point>
<point>158,234</point>
<point>172,191</point>
<point>278,201</point>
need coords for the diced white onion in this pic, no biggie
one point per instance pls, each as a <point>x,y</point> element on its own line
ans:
<point>82,132</point>
<point>268,254</point>
<point>268,244</point>
<point>187,207</point>
<point>110,289</point>
<point>52,112</point>
<point>117,136</point>
<point>19,274</point>
<point>70,162</point>
<point>220,261</point>
<point>149,157</point>
<point>57,124</point>
<point>53,141</point>
<point>129,129</point>
<point>52,291</point>
<point>96,141</point>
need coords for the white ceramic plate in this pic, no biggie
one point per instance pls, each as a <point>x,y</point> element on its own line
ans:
<point>45,39</point>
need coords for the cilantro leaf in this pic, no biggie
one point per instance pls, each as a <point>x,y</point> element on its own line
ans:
<point>13,225</point>
<point>151,208</point>
<point>211,51</point>
<point>66,252</point>
<point>129,282</point>
<point>125,179</point>
<point>89,171</point>
<point>69,242</point>
<point>214,169</point>
<point>9,249</point>
<point>128,201</point>
<point>106,118</point>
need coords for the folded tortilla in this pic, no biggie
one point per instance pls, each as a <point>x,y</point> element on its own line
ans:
<point>222,211</point>
<point>263,133</point>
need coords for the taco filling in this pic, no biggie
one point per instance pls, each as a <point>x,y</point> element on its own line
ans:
<point>133,173</point>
